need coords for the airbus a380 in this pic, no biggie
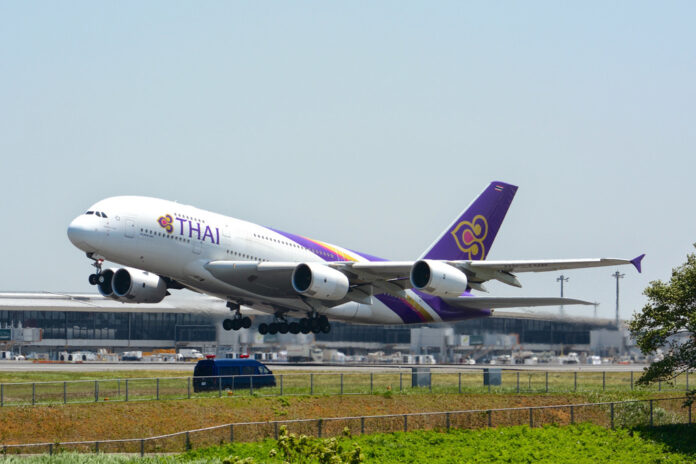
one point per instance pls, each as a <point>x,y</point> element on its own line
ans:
<point>165,245</point>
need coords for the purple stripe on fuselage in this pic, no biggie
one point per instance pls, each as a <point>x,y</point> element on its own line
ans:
<point>403,310</point>
<point>323,252</point>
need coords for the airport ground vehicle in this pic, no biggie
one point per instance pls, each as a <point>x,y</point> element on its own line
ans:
<point>214,374</point>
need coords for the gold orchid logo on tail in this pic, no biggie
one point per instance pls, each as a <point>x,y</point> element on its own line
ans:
<point>470,236</point>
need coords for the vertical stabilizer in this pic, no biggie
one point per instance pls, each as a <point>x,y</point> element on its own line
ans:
<point>471,235</point>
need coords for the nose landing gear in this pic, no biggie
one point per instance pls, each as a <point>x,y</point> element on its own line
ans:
<point>94,278</point>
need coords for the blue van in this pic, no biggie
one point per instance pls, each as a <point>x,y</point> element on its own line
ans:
<point>234,374</point>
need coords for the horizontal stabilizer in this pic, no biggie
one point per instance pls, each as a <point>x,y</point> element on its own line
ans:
<point>491,302</point>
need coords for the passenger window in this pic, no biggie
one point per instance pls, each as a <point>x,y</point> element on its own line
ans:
<point>247,370</point>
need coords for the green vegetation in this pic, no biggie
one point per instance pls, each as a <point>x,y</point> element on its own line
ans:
<point>670,311</point>
<point>577,444</point>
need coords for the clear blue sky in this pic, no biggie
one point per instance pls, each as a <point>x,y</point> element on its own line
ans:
<point>367,124</point>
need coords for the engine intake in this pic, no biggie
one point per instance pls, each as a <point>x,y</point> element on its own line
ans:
<point>104,283</point>
<point>438,278</point>
<point>320,281</point>
<point>137,286</point>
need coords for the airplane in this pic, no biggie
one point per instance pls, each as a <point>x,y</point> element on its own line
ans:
<point>304,283</point>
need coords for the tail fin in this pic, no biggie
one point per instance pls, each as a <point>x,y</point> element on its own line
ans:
<point>471,235</point>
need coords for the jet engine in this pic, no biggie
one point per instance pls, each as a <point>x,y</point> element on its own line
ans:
<point>438,278</point>
<point>319,281</point>
<point>137,286</point>
<point>104,279</point>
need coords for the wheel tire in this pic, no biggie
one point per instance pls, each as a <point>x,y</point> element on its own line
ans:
<point>315,326</point>
<point>294,328</point>
<point>227,324</point>
<point>263,328</point>
<point>323,320</point>
<point>304,325</point>
<point>236,324</point>
<point>273,328</point>
<point>93,279</point>
<point>283,327</point>
<point>246,322</point>
<point>326,328</point>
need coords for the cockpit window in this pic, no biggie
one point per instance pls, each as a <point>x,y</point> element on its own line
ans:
<point>89,212</point>
<point>104,215</point>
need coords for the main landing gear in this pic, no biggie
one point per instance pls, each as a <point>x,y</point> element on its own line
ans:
<point>238,321</point>
<point>314,323</point>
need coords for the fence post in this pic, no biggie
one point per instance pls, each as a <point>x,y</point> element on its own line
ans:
<point>405,423</point>
<point>188,386</point>
<point>651,413</point>
<point>604,380</point>
<point>447,417</point>
<point>460,382</point>
<point>319,424</point>
<point>611,411</point>
<point>251,385</point>
<point>231,433</point>
<point>281,384</point>
<point>157,394</point>
<point>531,418</point>
<point>96,391</point>
<point>575,380</point>
<point>518,381</point>
<point>118,383</point>
<point>572,415</point>
<point>547,381</point>
<point>50,449</point>
<point>2,394</point>
<point>33,393</point>
<point>341,383</point>
<point>401,381</point>
<point>362,425</point>
<point>631,380</point>
<point>126,389</point>
<point>65,392</point>
<point>311,384</point>
<point>490,418</point>
<point>372,375</point>
<point>142,447</point>
<point>96,447</point>
<point>275,429</point>
<point>219,386</point>
<point>187,443</point>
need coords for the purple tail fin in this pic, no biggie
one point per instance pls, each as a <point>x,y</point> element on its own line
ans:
<point>471,235</point>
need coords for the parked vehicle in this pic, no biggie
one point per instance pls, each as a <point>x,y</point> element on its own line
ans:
<point>233,373</point>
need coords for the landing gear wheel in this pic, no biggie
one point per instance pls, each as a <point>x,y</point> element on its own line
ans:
<point>326,328</point>
<point>236,324</point>
<point>283,327</point>
<point>315,326</point>
<point>305,325</point>
<point>273,328</point>
<point>294,328</point>
<point>323,320</point>
<point>93,279</point>
<point>246,322</point>
<point>263,328</point>
<point>228,324</point>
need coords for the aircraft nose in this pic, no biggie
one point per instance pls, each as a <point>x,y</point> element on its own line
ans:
<point>79,233</point>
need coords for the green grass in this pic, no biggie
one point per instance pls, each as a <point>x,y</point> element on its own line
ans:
<point>577,444</point>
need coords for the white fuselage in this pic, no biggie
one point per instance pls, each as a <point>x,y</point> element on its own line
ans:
<point>177,241</point>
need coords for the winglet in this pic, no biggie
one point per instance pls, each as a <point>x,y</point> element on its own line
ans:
<point>636,262</point>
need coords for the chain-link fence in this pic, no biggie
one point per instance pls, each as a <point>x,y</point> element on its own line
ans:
<point>329,383</point>
<point>632,413</point>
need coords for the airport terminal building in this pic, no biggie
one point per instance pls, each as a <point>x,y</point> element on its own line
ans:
<point>117,327</point>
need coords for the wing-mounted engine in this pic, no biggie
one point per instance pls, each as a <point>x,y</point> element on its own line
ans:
<point>134,285</point>
<point>438,278</point>
<point>138,286</point>
<point>319,281</point>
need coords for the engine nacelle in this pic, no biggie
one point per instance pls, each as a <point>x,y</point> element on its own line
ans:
<point>104,283</point>
<point>319,281</point>
<point>138,286</point>
<point>438,278</point>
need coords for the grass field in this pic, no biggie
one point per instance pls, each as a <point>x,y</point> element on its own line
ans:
<point>577,444</point>
<point>62,387</point>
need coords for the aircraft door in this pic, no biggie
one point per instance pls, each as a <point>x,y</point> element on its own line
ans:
<point>129,230</point>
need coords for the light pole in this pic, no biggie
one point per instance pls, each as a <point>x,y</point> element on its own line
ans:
<point>562,279</point>
<point>617,275</point>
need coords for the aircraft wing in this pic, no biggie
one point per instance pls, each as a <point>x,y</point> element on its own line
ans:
<point>490,302</point>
